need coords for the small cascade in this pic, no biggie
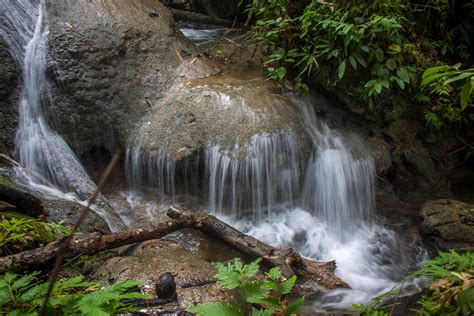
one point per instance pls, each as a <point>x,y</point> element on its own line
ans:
<point>150,171</point>
<point>256,185</point>
<point>338,187</point>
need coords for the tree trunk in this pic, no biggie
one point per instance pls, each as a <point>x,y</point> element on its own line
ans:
<point>89,244</point>
<point>289,261</point>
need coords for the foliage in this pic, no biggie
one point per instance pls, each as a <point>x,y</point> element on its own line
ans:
<point>257,296</point>
<point>375,46</point>
<point>21,233</point>
<point>451,88</point>
<point>451,291</point>
<point>24,295</point>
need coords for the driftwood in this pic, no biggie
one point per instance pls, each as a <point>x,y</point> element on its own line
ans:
<point>88,244</point>
<point>289,261</point>
<point>23,201</point>
<point>181,15</point>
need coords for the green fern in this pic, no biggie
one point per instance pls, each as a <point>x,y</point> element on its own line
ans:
<point>24,295</point>
<point>20,232</point>
<point>258,296</point>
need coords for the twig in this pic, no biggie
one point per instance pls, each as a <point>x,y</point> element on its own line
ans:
<point>396,298</point>
<point>64,247</point>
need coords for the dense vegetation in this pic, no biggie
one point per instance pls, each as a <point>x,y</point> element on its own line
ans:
<point>451,291</point>
<point>372,48</point>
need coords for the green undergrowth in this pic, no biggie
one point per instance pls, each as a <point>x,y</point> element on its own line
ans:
<point>19,232</point>
<point>252,294</point>
<point>451,291</point>
<point>24,295</point>
<point>372,49</point>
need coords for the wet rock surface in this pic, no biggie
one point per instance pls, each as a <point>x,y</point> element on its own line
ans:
<point>194,277</point>
<point>69,211</point>
<point>449,224</point>
<point>9,93</point>
<point>110,62</point>
<point>215,110</point>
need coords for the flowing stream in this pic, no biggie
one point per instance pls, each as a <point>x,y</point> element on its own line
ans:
<point>322,205</point>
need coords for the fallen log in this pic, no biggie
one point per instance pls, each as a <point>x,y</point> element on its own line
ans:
<point>25,202</point>
<point>88,244</point>
<point>289,261</point>
<point>186,16</point>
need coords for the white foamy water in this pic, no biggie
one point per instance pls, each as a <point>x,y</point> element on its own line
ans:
<point>372,261</point>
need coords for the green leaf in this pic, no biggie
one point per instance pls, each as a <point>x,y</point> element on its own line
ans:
<point>227,278</point>
<point>274,273</point>
<point>365,48</point>
<point>466,94</point>
<point>353,62</point>
<point>403,74</point>
<point>281,72</point>
<point>9,277</point>
<point>24,281</point>
<point>360,60</point>
<point>252,268</point>
<point>428,79</point>
<point>379,55</point>
<point>460,77</point>
<point>255,290</point>
<point>342,69</point>
<point>391,64</point>
<point>214,309</point>
<point>286,286</point>
<point>433,70</point>
<point>294,307</point>
<point>395,48</point>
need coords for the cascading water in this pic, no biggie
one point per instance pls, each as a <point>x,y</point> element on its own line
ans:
<point>257,184</point>
<point>339,187</point>
<point>40,149</point>
<point>323,206</point>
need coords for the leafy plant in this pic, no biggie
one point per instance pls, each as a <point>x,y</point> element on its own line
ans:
<point>21,233</point>
<point>367,47</point>
<point>257,296</point>
<point>451,291</point>
<point>24,295</point>
<point>451,90</point>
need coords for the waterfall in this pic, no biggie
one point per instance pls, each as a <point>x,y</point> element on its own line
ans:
<point>256,185</point>
<point>338,187</point>
<point>40,150</point>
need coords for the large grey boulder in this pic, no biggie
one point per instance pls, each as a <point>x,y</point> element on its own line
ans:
<point>110,61</point>
<point>207,108</point>
<point>449,224</point>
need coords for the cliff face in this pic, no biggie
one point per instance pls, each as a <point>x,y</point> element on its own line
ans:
<point>10,87</point>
